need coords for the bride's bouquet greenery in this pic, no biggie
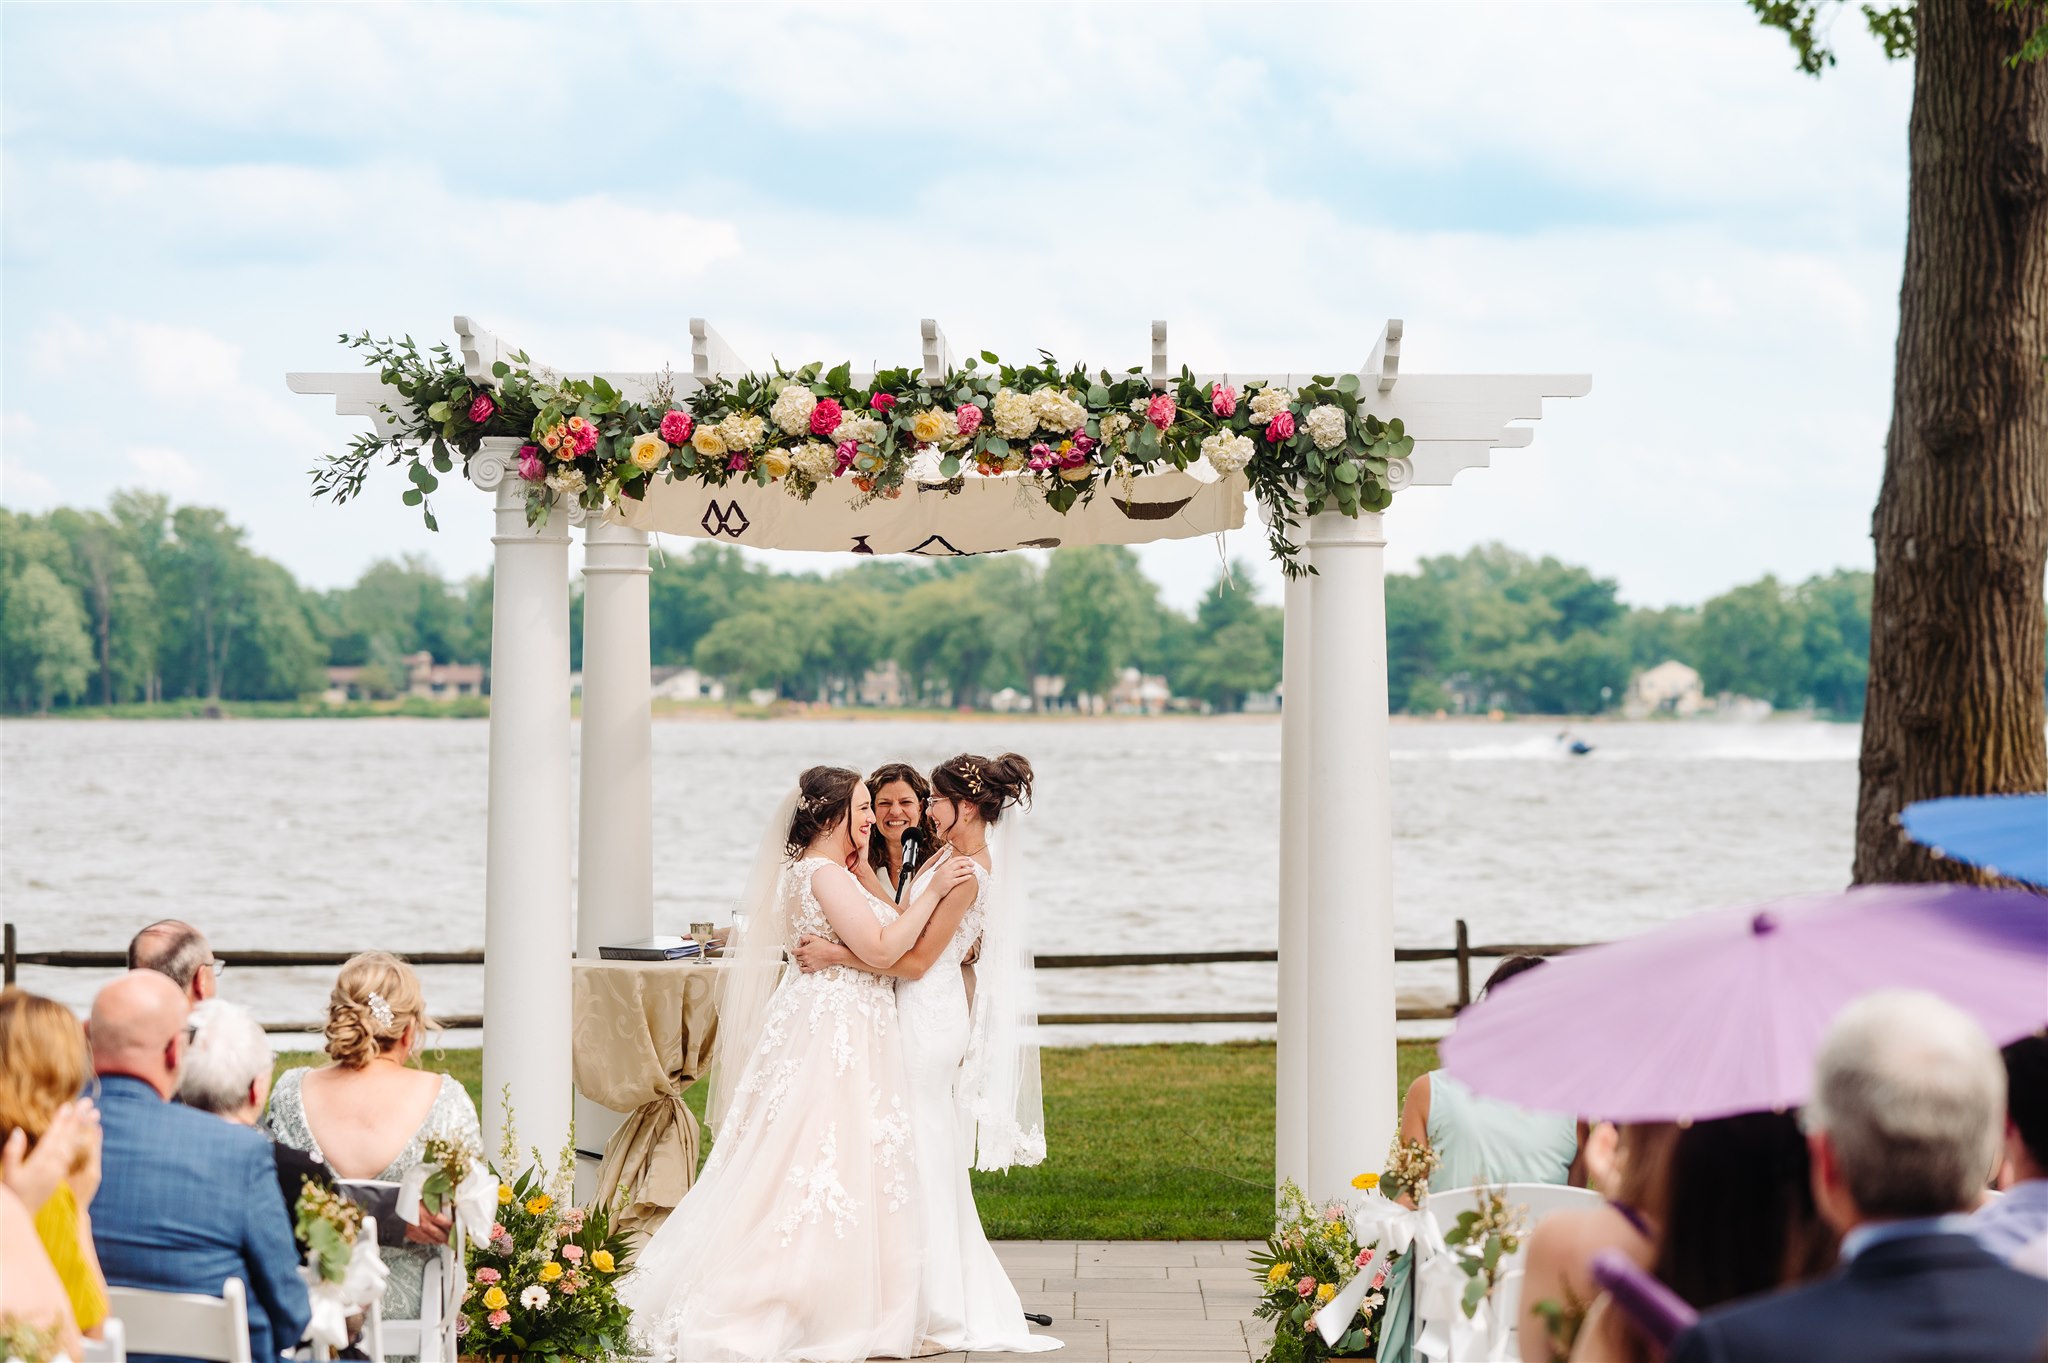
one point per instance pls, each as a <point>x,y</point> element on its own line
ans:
<point>1310,1257</point>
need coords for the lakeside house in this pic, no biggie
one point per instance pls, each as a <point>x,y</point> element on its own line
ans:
<point>1669,688</point>
<point>422,677</point>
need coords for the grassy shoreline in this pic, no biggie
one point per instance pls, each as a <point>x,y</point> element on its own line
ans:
<point>1160,1142</point>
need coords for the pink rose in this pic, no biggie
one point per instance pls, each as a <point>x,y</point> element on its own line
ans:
<point>825,417</point>
<point>1364,1258</point>
<point>1041,458</point>
<point>569,1285</point>
<point>1310,1325</point>
<point>462,1325</point>
<point>676,426</point>
<point>1223,401</point>
<point>480,410</point>
<point>736,463</point>
<point>1280,427</point>
<point>500,1319</point>
<point>1379,1279</point>
<point>497,1231</point>
<point>573,1253</point>
<point>882,402</point>
<point>530,466</point>
<point>1160,410</point>
<point>1306,1287</point>
<point>586,439</point>
<point>843,456</point>
<point>487,1276</point>
<point>573,1219</point>
<point>967,420</point>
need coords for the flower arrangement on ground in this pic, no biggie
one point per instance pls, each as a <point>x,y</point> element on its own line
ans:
<point>1064,431</point>
<point>1309,1258</point>
<point>544,1284</point>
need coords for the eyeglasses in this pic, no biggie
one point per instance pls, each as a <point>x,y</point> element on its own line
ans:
<point>191,1032</point>
<point>217,965</point>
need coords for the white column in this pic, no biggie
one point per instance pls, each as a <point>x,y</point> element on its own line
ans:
<point>1290,1105</point>
<point>615,840</point>
<point>526,876</point>
<point>1352,1106</point>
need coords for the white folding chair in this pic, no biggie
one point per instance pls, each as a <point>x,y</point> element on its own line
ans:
<point>111,1348</point>
<point>369,1343</point>
<point>184,1323</point>
<point>432,1335</point>
<point>1538,1201</point>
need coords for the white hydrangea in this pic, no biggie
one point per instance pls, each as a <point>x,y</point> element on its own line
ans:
<point>1268,402</point>
<point>813,459</point>
<point>1326,426</point>
<point>1227,453</point>
<point>1058,412</point>
<point>1114,425</point>
<point>866,429</point>
<point>568,481</point>
<point>743,431</point>
<point>792,409</point>
<point>1016,416</point>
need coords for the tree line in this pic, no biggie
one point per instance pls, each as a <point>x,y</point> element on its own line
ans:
<point>146,601</point>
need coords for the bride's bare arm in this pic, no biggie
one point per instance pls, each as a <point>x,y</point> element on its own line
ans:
<point>815,953</point>
<point>876,944</point>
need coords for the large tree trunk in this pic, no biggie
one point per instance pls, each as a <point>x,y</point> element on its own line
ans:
<point>1957,627</point>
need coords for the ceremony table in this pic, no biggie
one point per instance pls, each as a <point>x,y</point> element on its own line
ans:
<point>643,1034</point>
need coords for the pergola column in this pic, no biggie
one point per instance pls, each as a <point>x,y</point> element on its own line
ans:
<point>1290,1135</point>
<point>526,868</point>
<point>615,842</point>
<point>1351,1103</point>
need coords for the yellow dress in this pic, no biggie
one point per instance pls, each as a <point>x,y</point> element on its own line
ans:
<point>57,1228</point>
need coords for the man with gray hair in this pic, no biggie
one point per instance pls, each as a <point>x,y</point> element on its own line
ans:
<point>180,951</point>
<point>1904,1125</point>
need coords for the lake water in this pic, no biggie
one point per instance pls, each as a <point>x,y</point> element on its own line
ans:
<point>1148,835</point>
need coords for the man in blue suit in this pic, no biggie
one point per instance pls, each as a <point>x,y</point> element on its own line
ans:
<point>1905,1124</point>
<point>187,1200</point>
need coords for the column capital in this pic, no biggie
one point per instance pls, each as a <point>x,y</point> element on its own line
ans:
<point>1335,530</point>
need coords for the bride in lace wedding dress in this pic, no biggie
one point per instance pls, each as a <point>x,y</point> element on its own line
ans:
<point>803,1238</point>
<point>972,1054</point>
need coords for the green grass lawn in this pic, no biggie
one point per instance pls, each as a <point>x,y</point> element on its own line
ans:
<point>1144,1142</point>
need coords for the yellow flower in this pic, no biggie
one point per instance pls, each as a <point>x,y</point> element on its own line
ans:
<point>776,463</point>
<point>504,1193</point>
<point>550,1271</point>
<point>649,449</point>
<point>538,1203</point>
<point>494,1298</point>
<point>1365,1183</point>
<point>601,1260</point>
<point>708,442</point>
<point>1324,1293</point>
<point>1279,1273</point>
<point>928,425</point>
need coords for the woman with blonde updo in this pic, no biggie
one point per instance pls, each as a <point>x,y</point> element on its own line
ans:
<point>368,1112</point>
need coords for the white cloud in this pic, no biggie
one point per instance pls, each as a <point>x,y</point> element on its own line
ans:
<point>162,467</point>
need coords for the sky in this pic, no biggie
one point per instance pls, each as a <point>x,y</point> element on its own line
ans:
<point>194,200</point>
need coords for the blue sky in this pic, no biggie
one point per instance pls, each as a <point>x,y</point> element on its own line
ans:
<point>197,199</point>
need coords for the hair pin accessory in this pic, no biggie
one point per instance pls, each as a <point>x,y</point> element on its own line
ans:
<point>381,1010</point>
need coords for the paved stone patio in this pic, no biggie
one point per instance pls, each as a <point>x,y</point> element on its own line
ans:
<point>1138,1301</point>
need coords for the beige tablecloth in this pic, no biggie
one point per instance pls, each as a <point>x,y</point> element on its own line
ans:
<point>643,1035</point>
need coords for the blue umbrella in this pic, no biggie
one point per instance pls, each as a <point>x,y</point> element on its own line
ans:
<point>2006,835</point>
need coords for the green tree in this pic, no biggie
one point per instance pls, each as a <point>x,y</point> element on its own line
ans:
<point>1750,642</point>
<point>49,654</point>
<point>750,651</point>
<point>1233,662</point>
<point>1655,636</point>
<point>1835,614</point>
<point>1103,615</point>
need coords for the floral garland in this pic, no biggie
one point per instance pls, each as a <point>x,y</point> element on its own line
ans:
<point>1067,432</point>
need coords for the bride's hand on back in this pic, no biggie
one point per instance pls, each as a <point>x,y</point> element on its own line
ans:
<point>815,953</point>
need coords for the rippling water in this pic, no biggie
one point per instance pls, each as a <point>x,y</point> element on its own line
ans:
<point>1148,834</point>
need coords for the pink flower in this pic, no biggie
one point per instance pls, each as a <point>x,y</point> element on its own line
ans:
<point>586,438</point>
<point>825,417</point>
<point>530,466</point>
<point>487,1276</point>
<point>573,1253</point>
<point>1333,1213</point>
<point>480,410</point>
<point>1309,1325</point>
<point>573,1219</point>
<point>1223,400</point>
<point>497,1231</point>
<point>843,456</point>
<point>1280,427</point>
<point>500,1319</point>
<point>1160,410</point>
<point>1042,457</point>
<point>736,463</point>
<point>1306,1287</point>
<point>462,1325</point>
<point>502,1244</point>
<point>1364,1258</point>
<point>676,426</point>
<point>569,1285</point>
<point>1379,1279</point>
<point>967,420</point>
<point>882,402</point>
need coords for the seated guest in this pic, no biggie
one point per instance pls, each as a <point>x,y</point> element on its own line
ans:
<point>368,1114</point>
<point>180,951</point>
<point>1739,1220</point>
<point>43,1067</point>
<point>189,1201</point>
<point>30,1294</point>
<point>1905,1116</point>
<point>2010,1224</point>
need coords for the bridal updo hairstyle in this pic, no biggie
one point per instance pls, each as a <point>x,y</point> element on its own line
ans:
<point>376,997</point>
<point>824,794</point>
<point>989,784</point>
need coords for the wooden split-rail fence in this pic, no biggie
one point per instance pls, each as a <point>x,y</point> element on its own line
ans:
<point>1462,951</point>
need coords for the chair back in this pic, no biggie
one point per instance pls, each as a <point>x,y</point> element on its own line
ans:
<point>1538,1200</point>
<point>111,1347</point>
<point>430,1337</point>
<point>183,1323</point>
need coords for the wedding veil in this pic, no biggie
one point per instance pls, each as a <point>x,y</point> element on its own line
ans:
<point>754,949</point>
<point>999,1083</point>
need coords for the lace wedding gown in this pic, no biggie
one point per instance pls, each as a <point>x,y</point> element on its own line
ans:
<point>968,1298</point>
<point>801,1239</point>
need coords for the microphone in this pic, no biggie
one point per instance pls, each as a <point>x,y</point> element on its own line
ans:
<point>1037,1318</point>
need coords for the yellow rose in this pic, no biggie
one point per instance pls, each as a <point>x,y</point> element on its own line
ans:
<point>708,442</point>
<point>494,1298</point>
<point>601,1260</point>
<point>1324,1293</point>
<point>776,463</point>
<point>1278,1274</point>
<point>550,1271</point>
<point>928,425</point>
<point>504,1193</point>
<point>649,449</point>
<point>1365,1183</point>
<point>538,1203</point>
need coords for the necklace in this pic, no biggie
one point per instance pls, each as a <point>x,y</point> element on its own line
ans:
<point>972,851</point>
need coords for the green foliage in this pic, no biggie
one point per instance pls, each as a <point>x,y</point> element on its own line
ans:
<point>1807,24</point>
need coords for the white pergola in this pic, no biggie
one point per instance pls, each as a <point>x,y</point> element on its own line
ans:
<point>1336,1104</point>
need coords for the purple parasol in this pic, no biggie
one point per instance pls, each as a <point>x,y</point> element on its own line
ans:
<point>1724,1012</point>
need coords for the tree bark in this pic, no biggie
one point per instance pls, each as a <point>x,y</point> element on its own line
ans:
<point>1961,527</point>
